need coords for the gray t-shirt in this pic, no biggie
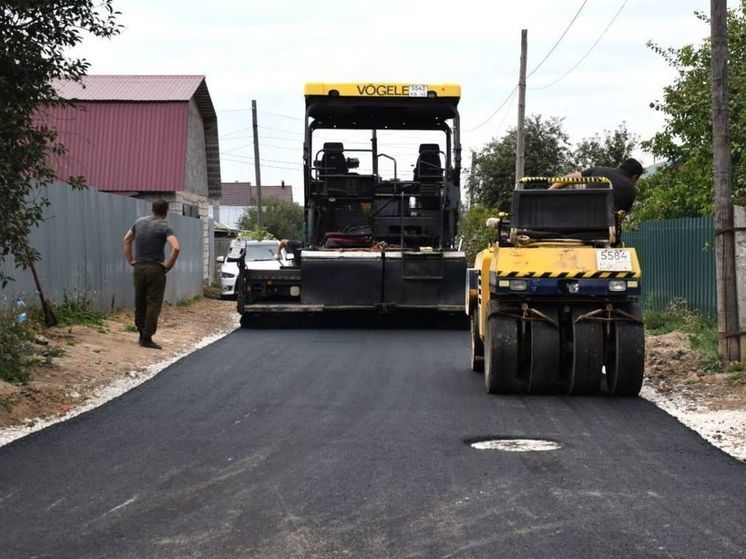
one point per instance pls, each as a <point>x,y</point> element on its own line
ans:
<point>150,239</point>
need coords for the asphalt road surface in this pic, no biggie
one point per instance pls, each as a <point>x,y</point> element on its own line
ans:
<point>352,443</point>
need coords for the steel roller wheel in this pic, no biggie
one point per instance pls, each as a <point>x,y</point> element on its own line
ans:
<point>500,353</point>
<point>588,353</point>
<point>545,353</point>
<point>477,345</point>
<point>625,355</point>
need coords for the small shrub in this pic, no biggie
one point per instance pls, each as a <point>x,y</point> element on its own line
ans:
<point>6,404</point>
<point>16,349</point>
<point>78,310</point>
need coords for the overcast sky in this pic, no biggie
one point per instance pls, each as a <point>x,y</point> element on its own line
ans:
<point>268,50</point>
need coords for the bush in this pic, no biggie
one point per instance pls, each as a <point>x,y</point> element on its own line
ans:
<point>17,353</point>
<point>702,331</point>
<point>78,310</point>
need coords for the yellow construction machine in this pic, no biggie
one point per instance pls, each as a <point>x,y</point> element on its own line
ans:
<point>553,303</point>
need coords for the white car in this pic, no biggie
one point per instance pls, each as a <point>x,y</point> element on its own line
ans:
<point>259,255</point>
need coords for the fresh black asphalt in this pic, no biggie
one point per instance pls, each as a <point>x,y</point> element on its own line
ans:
<point>351,443</point>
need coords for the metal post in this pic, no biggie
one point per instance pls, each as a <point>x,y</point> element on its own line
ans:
<point>257,170</point>
<point>520,148</point>
<point>725,257</point>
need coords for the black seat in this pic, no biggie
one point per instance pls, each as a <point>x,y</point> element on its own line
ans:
<point>428,167</point>
<point>333,160</point>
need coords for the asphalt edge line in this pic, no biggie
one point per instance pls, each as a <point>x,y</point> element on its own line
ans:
<point>110,391</point>
<point>708,424</point>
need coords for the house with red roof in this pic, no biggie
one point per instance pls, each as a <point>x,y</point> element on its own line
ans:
<point>144,136</point>
<point>237,197</point>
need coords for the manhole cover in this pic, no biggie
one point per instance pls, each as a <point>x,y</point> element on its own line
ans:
<point>515,445</point>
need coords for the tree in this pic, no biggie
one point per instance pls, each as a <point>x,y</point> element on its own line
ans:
<point>607,150</point>
<point>282,219</point>
<point>493,173</point>
<point>35,43</point>
<point>684,188</point>
<point>474,233</point>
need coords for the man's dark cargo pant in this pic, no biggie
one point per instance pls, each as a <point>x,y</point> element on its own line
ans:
<point>150,285</point>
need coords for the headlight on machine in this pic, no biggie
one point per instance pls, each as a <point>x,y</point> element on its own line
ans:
<point>226,275</point>
<point>617,286</point>
<point>518,285</point>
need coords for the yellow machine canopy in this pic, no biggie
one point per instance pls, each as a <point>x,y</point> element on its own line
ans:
<point>402,106</point>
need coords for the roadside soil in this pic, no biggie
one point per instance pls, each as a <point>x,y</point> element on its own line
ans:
<point>99,363</point>
<point>95,357</point>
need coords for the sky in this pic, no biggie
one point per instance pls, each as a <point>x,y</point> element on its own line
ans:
<point>268,50</point>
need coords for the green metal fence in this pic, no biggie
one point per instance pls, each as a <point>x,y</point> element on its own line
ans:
<point>678,262</point>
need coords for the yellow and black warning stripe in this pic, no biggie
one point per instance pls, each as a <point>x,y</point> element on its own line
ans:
<point>565,275</point>
<point>566,180</point>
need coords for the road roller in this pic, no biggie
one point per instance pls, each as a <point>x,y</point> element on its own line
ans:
<point>553,303</point>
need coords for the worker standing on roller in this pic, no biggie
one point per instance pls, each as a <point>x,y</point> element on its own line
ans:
<point>623,179</point>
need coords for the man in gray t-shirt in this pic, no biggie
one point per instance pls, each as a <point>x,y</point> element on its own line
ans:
<point>150,235</point>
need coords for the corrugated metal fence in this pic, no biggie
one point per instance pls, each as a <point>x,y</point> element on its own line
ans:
<point>678,262</point>
<point>82,256</point>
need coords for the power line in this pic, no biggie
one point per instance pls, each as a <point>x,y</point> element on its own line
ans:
<point>593,46</point>
<point>510,95</point>
<point>497,110</point>
<point>569,25</point>
<point>261,159</point>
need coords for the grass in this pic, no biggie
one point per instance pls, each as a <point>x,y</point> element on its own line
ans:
<point>129,328</point>
<point>188,302</point>
<point>702,332</point>
<point>6,404</point>
<point>78,310</point>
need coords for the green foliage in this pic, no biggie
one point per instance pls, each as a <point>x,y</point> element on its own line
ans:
<point>606,150</point>
<point>281,219</point>
<point>475,234</point>
<point>37,39</point>
<point>6,404</point>
<point>78,310</point>
<point>16,349</point>
<point>702,331</point>
<point>685,188</point>
<point>129,328</point>
<point>492,179</point>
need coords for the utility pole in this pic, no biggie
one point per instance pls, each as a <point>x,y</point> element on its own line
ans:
<point>520,148</point>
<point>257,170</point>
<point>725,255</point>
<point>471,177</point>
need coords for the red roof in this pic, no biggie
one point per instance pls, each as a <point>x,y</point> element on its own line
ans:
<point>129,88</point>
<point>129,133</point>
<point>237,193</point>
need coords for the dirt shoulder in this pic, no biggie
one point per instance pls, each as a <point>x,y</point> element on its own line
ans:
<point>99,363</point>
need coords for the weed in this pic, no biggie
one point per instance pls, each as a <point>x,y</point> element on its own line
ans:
<point>78,310</point>
<point>738,377</point>
<point>16,349</point>
<point>702,331</point>
<point>737,367</point>
<point>188,302</point>
<point>130,328</point>
<point>71,343</point>
<point>691,381</point>
<point>6,404</point>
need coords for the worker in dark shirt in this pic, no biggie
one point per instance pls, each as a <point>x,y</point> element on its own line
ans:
<point>150,235</point>
<point>292,246</point>
<point>623,179</point>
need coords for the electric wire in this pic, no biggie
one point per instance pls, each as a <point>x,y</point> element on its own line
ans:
<point>556,44</point>
<point>548,54</point>
<point>593,46</point>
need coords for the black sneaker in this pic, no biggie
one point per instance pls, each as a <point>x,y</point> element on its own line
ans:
<point>150,344</point>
